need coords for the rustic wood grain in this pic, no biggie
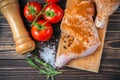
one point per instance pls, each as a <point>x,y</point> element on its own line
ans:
<point>19,68</point>
<point>14,66</point>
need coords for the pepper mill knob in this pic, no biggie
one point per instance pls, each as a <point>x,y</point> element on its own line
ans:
<point>10,10</point>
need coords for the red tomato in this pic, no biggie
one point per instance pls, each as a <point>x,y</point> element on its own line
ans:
<point>53,13</point>
<point>31,10</point>
<point>52,1</point>
<point>41,31</point>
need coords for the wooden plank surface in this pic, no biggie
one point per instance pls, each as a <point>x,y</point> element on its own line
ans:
<point>14,66</point>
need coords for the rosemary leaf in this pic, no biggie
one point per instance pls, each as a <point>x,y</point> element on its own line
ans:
<point>31,62</point>
<point>47,69</point>
<point>41,71</point>
<point>40,61</point>
<point>52,77</point>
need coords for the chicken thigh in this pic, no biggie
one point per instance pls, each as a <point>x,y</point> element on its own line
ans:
<point>81,33</point>
<point>104,9</point>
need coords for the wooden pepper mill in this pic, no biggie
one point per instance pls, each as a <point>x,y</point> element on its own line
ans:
<point>10,10</point>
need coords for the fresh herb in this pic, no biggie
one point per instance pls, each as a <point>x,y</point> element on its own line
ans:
<point>47,69</point>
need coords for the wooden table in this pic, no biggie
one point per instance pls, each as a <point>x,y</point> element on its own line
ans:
<point>14,67</point>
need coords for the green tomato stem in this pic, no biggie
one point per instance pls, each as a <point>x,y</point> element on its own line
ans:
<point>41,12</point>
<point>49,13</point>
<point>41,26</point>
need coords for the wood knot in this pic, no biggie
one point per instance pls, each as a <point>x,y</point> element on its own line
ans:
<point>115,44</point>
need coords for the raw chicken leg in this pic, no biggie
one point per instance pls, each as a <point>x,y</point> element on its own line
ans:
<point>104,9</point>
<point>78,25</point>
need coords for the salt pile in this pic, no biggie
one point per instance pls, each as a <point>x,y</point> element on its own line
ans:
<point>48,55</point>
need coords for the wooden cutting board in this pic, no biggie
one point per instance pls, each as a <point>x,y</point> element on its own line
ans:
<point>91,62</point>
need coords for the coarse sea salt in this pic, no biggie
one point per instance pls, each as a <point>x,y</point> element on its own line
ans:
<point>48,55</point>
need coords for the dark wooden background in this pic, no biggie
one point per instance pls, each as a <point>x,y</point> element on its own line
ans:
<point>14,67</point>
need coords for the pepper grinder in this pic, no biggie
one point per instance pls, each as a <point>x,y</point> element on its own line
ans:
<point>11,11</point>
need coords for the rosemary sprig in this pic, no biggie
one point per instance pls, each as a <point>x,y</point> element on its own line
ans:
<point>47,69</point>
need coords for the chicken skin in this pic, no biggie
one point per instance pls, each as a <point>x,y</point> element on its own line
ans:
<point>80,30</point>
<point>104,9</point>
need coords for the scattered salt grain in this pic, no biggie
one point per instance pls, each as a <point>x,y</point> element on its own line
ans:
<point>48,55</point>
